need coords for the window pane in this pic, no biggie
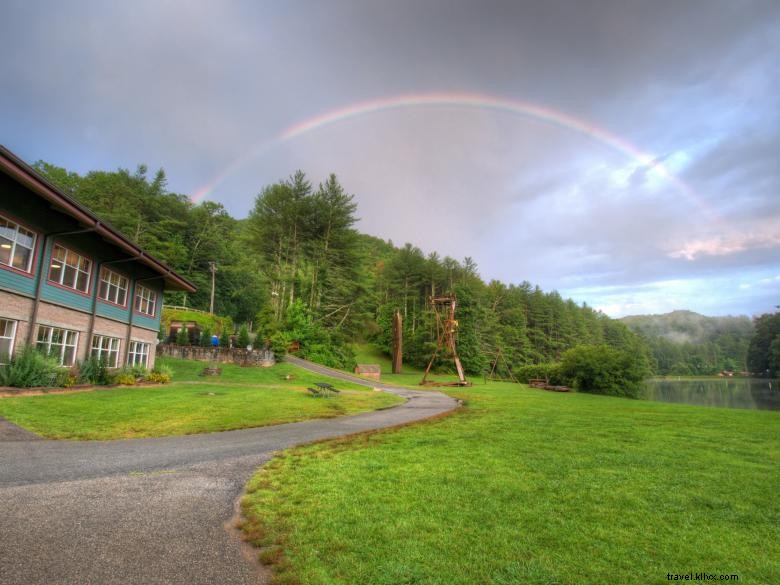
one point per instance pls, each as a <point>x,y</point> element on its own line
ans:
<point>25,238</point>
<point>43,333</point>
<point>83,281</point>
<point>121,296</point>
<point>55,274</point>
<point>5,250</point>
<point>22,258</point>
<point>69,356</point>
<point>5,350</point>
<point>7,230</point>
<point>69,276</point>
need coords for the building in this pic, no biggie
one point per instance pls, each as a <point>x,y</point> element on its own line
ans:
<point>368,370</point>
<point>70,283</point>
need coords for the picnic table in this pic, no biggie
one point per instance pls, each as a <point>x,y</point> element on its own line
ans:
<point>323,390</point>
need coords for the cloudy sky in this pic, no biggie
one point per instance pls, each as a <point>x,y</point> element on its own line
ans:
<point>624,153</point>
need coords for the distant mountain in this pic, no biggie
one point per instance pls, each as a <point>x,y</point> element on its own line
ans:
<point>684,342</point>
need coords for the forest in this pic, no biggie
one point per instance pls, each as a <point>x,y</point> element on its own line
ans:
<point>297,269</point>
<point>684,343</point>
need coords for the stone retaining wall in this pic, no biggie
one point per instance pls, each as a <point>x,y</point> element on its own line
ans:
<point>256,357</point>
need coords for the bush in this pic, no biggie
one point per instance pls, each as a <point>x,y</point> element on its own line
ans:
<point>243,338</point>
<point>182,337</point>
<point>93,371</point>
<point>124,378</point>
<point>28,368</point>
<point>548,371</point>
<point>224,339</point>
<point>205,337</point>
<point>280,341</point>
<point>603,370</point>
<point>129,375</point>
<point>160,375</point>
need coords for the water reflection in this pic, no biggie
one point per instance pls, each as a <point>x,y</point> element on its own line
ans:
<point>754,393</point>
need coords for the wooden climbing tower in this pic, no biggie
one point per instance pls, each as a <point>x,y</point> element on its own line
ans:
<point>446,329</point>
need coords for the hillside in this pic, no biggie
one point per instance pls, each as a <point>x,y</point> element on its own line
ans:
<point>296,269</point>
<point>684,342</point>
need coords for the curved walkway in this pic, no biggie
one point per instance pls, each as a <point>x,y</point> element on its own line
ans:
<point>152,511</point>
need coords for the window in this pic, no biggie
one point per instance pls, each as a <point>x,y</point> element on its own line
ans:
<point>16,245</point>
<point>138,354</point>
<point>69,269</point>
<point>106,348</point>
<point>58,343</point>
<point>7,333</point>
<point>113,287</point>
<point>145,300</point>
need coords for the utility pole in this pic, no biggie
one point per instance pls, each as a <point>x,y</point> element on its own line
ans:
<point>213,269</point>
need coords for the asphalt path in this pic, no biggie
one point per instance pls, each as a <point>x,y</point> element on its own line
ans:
<point>152,511</point>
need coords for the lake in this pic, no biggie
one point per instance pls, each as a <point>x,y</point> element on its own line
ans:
<point>755,393</point>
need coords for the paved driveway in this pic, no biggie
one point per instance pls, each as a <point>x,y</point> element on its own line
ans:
<point>150,511</point>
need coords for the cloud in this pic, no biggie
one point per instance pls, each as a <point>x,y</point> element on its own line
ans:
<point>725,245</point>
<point>193,88</point>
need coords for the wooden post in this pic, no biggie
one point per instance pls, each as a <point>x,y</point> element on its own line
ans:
<point>398,341</point>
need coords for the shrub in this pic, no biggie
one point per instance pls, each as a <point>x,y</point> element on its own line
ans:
<point>280,341</point>
<point>547,371</point>
<point>93,371</point>
<point>182,337</point>
<point>124,378</point>
<point>28,368</point>
<point>224,339</point>
<point>604,370</point>
<point>160,375</point>
<point>205,337</point>
<point>129,375</point>
<point>243,337</point>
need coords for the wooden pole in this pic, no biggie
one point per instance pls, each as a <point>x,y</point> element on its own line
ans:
<point>398,341</point>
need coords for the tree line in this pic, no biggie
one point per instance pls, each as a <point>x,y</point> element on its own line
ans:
<point>684,343</point>
<point>297,269</point>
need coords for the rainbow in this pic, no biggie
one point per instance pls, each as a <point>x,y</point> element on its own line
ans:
<point>458,100</point>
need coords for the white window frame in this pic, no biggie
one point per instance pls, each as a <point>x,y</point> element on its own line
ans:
<point>138,354</point>
<point>108,347</point>
<point>145,300</point>
<point>19,232</point>
<point>69,339</point>
<point>114,283</point>
<point>4,335</point>
<point>60,265</point>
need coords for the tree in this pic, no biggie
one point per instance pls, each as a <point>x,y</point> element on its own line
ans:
<point>205,337</point>
<point>762,354</point>
<point>243,340</point>
<point>224,339</point>
<point>601,369</point>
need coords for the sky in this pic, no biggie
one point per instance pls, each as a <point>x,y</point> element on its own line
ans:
<point>624,153</point>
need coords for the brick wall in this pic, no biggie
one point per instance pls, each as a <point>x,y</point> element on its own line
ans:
<point>19,309</point>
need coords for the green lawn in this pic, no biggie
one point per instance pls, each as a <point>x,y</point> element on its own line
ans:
<point>239,398</point>
<point>527,486</point>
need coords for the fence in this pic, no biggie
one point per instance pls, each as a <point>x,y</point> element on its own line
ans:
<point>243,357</point>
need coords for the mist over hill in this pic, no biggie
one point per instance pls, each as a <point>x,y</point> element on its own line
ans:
<point>683,342</point>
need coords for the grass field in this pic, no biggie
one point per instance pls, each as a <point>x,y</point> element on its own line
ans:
<point>527,486</point>
<point>239,398</point>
